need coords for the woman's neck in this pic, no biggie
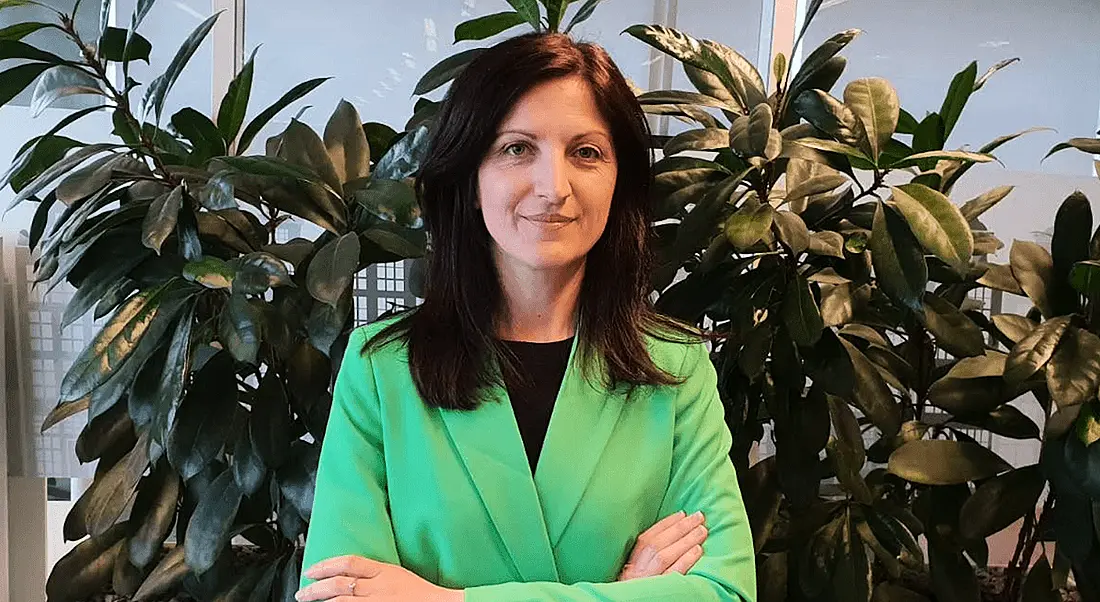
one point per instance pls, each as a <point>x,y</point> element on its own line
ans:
<point>540,306</point>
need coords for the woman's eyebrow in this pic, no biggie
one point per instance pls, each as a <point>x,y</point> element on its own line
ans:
<point>599,133</point>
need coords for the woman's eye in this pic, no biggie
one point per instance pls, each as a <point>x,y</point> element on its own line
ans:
<point>592,153</point>
<point>508,149</point>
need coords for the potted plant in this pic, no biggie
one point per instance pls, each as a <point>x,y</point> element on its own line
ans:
<point>221,342</point>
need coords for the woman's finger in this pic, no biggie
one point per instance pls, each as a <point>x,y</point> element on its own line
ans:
<point>326,589</point>
<point>679,530</point>
<point>685,562</point>
<point>665,523</point>
<point>354,566</point>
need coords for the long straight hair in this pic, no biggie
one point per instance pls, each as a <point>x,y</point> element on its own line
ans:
<point>453,349</point>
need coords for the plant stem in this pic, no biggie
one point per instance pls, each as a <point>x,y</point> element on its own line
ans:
<point>121,99</point>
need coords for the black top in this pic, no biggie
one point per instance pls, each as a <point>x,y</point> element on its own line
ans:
<point>544,365</point>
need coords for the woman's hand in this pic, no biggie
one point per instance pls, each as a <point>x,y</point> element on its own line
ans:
<point>673,545</point>
<point>355,578</point>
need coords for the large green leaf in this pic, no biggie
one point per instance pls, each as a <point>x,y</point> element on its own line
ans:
<point>822,64</point>
<point>18,31</point>
<point>978,205</point>
<point>1001,501</point>
<point>800,312</point>
<point>403,158</point>
<point>234,104</point>
<point>146,314</point>
<point>392,201</point>
<point>210,272</point>
<point>97,175</point>
<point>871,394</point>
<point>941,155</point>
<point>301,146</point>
<point>830,116</point>
<point>297,478</point>
<point>15,49</point>
<point>680,97</point>
<point>254,273</point>
<point>736,74</point>
<point>165,578</point>
<point>248,468</point>
<point>15,80</point>
<point>59,168</point>
<point>1085,278</point>
<point>999,277</point>
<point>239,329</point>
<point>157,92</point>
<point>331,270</point>
<point>86,569</point>
<point>208,530</point>
<point>1088,145</point>
<point>98,283</point>
<point>269,426</point>
<point>114,491</point>
<point>832,146</point>
<point>1069,245</point>
<point>897,258</point>
<point>205,138</point>
<point>1006,421</point>
<point>582,14</point>
<point>253,128</point>
<point>954,332</point>
<point>953,176</point>
<point>204,418</point>
<point>1033,268</point>
<point>1073,372</point>
<point>815,185</point>
<point>962,86</point>
<point>113,46</point>
<point>749,224</point>
<point>160,222</point>
<point>155,507</point>
<point>941,462</point>
<point>704,139</point>
<point>347,144</point>
<point>791,231</point>
<point>937,223</point>
<point>874,102</point>
<point>1034,350</point>
<point>487,26</point>
<point>445,71</point>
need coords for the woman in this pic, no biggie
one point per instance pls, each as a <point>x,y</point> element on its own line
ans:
<point>510,438</point>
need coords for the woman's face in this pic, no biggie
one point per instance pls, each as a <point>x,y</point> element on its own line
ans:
<point>546,184</point>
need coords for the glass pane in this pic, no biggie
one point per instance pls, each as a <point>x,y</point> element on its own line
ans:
<point>376,59</point>
<point>47,351</point>
<point>919,46</point>
<point>733,23</point>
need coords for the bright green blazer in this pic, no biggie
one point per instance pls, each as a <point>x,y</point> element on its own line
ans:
<point>449,494</point>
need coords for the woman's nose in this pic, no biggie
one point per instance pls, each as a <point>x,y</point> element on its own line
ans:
<point>552,177</point>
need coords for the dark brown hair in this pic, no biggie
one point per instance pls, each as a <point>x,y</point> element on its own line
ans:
<point>452,347</point>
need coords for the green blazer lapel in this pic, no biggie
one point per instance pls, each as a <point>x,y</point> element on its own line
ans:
<point>583,419</point>
<point>489,443</point>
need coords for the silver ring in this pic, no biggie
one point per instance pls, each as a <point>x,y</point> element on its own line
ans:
<point>351,586</point>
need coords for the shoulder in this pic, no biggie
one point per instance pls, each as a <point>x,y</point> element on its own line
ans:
<point>377,339</point>
<point>676,353</point>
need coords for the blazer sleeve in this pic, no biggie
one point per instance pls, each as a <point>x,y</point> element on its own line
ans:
<point>350,509</point>
<point>703,478</point>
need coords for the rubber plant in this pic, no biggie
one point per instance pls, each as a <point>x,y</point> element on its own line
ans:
<point>207,386</point>
<point>822,247</point>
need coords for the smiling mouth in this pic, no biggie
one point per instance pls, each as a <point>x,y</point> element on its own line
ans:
<point>549,218</point>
